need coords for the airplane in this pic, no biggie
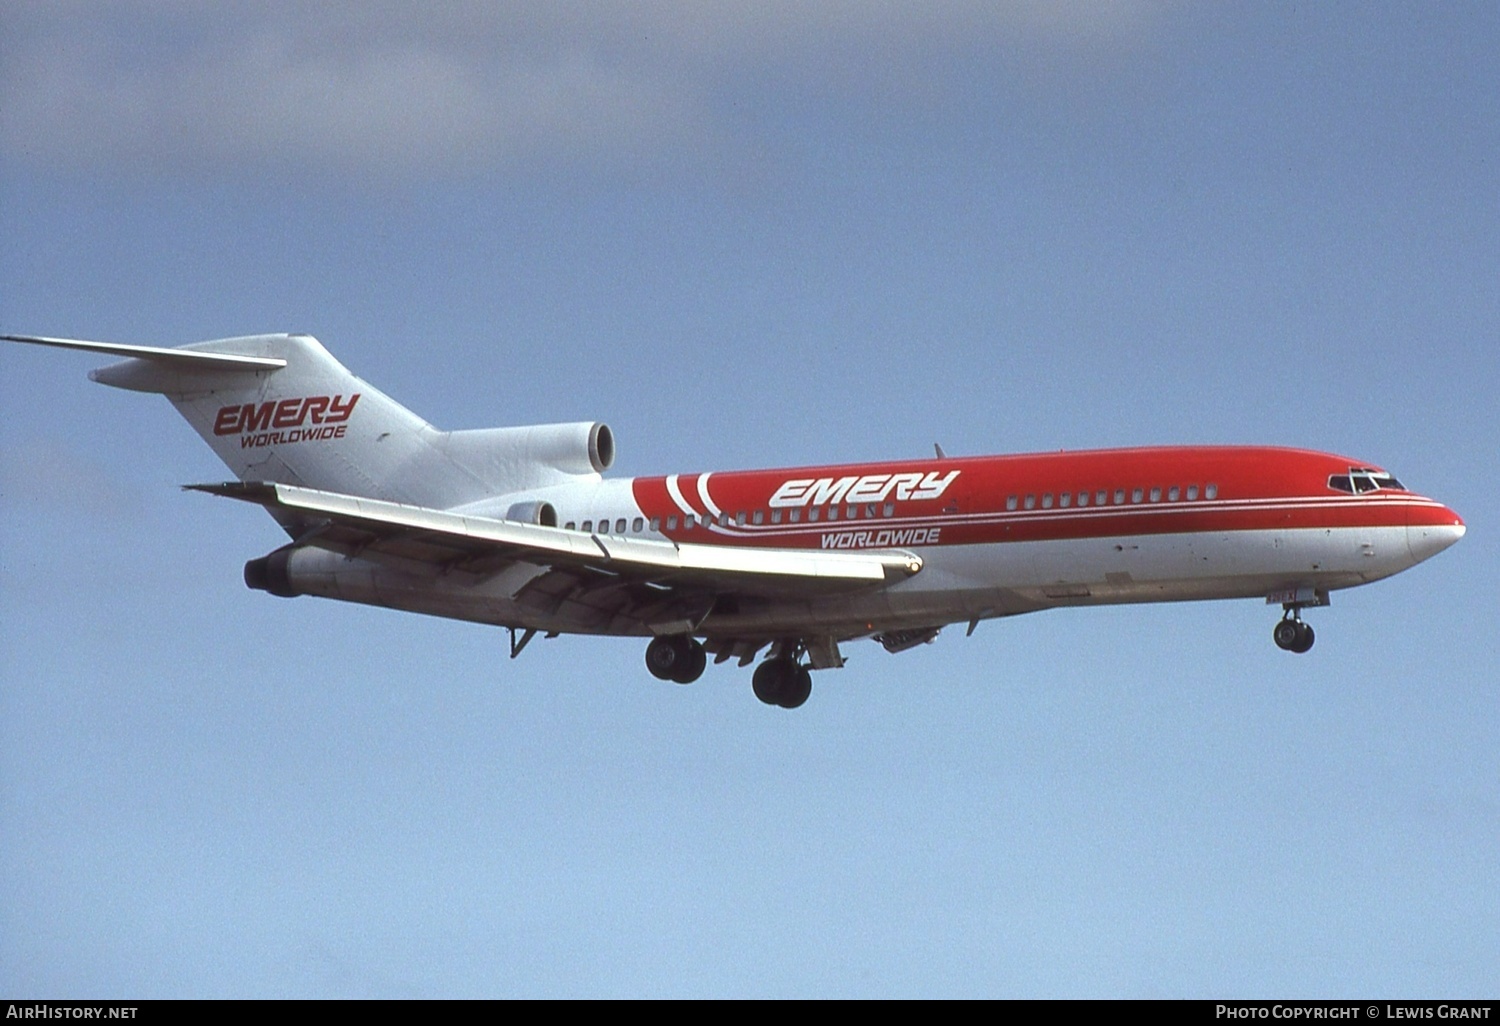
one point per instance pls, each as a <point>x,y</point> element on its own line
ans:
<point>518,527</point>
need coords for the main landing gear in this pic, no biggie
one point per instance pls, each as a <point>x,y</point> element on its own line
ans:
<point>676,657</point>
<point>1291,634</point>
<point>782,681</point>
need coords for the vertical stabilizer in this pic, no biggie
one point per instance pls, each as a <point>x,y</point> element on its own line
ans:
<point>307,422</point>
<point>280,409</point>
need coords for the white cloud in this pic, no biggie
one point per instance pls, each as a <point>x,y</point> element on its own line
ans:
<point>406,89</point>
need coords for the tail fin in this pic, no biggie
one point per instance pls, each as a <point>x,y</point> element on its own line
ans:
<point>311,422</point>
<point>281,409</point>
<point>277,408</point>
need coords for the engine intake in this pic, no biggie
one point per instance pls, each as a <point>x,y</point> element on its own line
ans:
<point>539,512</point>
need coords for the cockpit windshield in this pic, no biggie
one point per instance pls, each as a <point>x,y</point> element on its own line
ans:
<point>1360,480</point>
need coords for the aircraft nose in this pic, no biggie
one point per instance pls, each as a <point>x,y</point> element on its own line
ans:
<point>1431,529</point>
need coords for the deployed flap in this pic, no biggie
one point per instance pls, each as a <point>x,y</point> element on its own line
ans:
<point>409,530</point>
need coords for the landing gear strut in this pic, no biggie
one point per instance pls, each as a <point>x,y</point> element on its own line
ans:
<point>1291,634</point>
<point>782,681</point>
<point>676,657</point>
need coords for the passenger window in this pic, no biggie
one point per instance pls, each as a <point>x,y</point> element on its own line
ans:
<point>1156,495</point>
<point>1192,493</point>
<point>1031,502</point>
<point>759,517</point>
<point>852,513</point>
<point>890,509</point>
<point>637,524</point>
<point>671,523</point>
<point>739,519</point>
<point>655,524</point>
<point>1012,502</point>
<point>1065,500</point>
<point>620,526</point>
<point>775,516</point>
<point>588,525</point>
<point>1136,495</point>
<point>1100,498</point>
<point>570,526</point>
<point>796,515</point>
<point>1211,492</point>
<point>1172,494</point>
<point>833,512</point>
<point>812,514</point>
<point>1119,496</point>
<point>1083,498</point>
<point>1047,501</point>
<point>870,511</point>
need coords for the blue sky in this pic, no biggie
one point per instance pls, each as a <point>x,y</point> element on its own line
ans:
<point>748,238</point>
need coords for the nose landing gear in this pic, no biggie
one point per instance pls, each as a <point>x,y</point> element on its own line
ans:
<point>1291,634</point>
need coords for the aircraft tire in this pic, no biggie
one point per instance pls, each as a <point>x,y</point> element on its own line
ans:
<point>767,683</point>
<point>796,687</point>
<point>1286,635</point>
<point>1305,638</point>
<point>664,657</point>
<point>690,667</point>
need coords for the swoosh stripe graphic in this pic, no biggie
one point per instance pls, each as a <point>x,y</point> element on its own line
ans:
<point>708,502</point>
<point>675,491</point>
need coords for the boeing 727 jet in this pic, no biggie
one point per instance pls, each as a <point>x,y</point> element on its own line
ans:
<point>518,526</point>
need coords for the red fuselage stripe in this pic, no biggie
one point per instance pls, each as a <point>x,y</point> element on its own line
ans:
<point>1254,488</point>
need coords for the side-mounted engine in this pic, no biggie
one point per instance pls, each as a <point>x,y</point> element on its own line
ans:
<point>506,457</point>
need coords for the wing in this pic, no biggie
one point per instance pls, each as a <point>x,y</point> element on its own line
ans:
<point>658,585</point>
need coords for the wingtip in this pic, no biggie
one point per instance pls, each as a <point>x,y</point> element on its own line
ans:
<point>228,489</point>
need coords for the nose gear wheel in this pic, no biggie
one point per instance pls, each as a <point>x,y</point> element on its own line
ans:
<point>1292,635</point>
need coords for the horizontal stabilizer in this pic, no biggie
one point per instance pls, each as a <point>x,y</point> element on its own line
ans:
<point>177,359</point>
